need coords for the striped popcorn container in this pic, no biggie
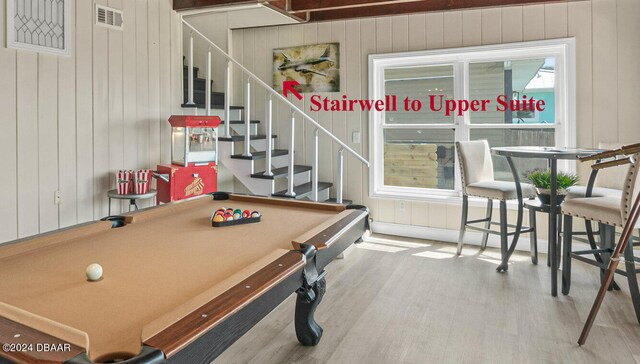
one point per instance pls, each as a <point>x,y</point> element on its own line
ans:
<point>123,179</point>
<point>142,181</point>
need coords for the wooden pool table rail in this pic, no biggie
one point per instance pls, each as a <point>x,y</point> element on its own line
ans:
<point>185,331</point>
<point>27,334</point>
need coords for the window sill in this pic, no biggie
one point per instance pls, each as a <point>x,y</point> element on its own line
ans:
<point>443,199</point>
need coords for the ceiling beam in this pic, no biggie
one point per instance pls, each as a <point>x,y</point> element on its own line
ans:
<point>320,5</point>
<point>350,8</point>
<point>320,10</point>
<point>196,4</point>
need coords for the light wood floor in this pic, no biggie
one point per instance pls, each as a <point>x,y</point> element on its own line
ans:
<point>399,300</point>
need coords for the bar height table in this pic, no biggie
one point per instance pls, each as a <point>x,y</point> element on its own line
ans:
<point>552,155</point>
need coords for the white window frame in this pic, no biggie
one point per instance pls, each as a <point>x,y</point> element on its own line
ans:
<point>563,50</point>
<point>68,33</point>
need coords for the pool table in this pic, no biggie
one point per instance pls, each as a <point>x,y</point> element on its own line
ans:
<point>174,288</point>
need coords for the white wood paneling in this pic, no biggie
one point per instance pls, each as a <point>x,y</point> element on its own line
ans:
<point>533,22</point>
<point>130,84</point>
<point>581,31</point>
<point>84,110</point>
<point>327,164</point>
<point>27,144</point>
<point>101,173</point>
<point>69,122</point>
<point>367,47</point>
<point>351,64</point>
<point>400,33</point>
<point>176,59</point>
<point>511,24</point>
<point>417,28</point>
<point>165,79</point>
<point>435,30</point>
<point>452,30</point>
<point>555,20</point>
<point>605,70</point>
<point>492,26</point>
<point>142,84</point>
<point>261,70</point>
<point>8,139</point>
<point>47,131</point>
<point>248,45</point>
<point>339,121</point>
<point>154,77</point>
<point>471,27</point>
<point>67,133</point>
<point>628,29</point>
<point>309,36</point>
<point>116,108</point>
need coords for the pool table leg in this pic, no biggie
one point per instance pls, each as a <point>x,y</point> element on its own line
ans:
<point>308,331</point>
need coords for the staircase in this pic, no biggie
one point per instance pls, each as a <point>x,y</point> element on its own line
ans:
<point>256,163</point>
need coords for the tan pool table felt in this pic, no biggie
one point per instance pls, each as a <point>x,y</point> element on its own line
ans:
<point>163,265</point>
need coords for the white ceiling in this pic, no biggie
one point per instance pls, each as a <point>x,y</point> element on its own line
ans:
<point>245,16</point>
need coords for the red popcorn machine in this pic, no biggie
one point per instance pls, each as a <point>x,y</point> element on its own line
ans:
<point>194,154</point>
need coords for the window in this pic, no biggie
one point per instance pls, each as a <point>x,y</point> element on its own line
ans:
<point>40,26</point>
<point>412,148</point>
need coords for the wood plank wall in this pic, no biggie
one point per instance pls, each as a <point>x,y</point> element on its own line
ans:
<point>69,122</point>
<point>607,34</point>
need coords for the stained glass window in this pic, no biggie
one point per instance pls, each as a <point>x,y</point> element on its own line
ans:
<point>38,25</point>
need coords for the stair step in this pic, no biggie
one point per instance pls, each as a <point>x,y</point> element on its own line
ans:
<point>199,97</point>
<point>344,201</point>
<point>281,172</point>
<point>240,138</point>
<point>261,155</point>
<point>236,122</point>
<point>185,71</point>
<point>303,190</point>
<point>199,85</point>
<point>213,106</point>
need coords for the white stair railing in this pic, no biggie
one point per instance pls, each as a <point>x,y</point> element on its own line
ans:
<point>314,166</point>
<point>292,133</point>
<point>247,120</point>
<point>269,127</point>
<point>190,74</point>
<point>227,100</point>
<point>339,172</point>
<point>207,96</point>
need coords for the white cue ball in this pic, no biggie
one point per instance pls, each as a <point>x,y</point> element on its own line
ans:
<point>94,272</point>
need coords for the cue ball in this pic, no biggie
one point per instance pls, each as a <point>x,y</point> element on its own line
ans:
<point>94,272</point>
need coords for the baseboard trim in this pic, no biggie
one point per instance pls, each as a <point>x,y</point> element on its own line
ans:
<point>448,235</point>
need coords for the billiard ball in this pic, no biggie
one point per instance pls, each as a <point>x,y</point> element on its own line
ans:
<point>255,214</point>
<point>94,272</point>
<point>218,218</point>
<point>228,216</point>
<point>246,214</point>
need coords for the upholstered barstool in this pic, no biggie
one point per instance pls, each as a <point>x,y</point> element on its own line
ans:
<point>609,183</point>
<point>476,170</point>
<point>609,212</point>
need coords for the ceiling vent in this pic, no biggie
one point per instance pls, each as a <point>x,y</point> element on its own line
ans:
<point>108,17</point>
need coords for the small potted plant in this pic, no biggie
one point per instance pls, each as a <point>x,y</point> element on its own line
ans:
<point>541,180</point>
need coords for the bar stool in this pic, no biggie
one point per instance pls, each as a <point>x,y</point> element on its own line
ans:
<point>476,170</point>
<point>609,212</point>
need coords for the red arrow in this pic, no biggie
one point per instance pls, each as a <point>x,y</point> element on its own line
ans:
<point>288,86</point>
